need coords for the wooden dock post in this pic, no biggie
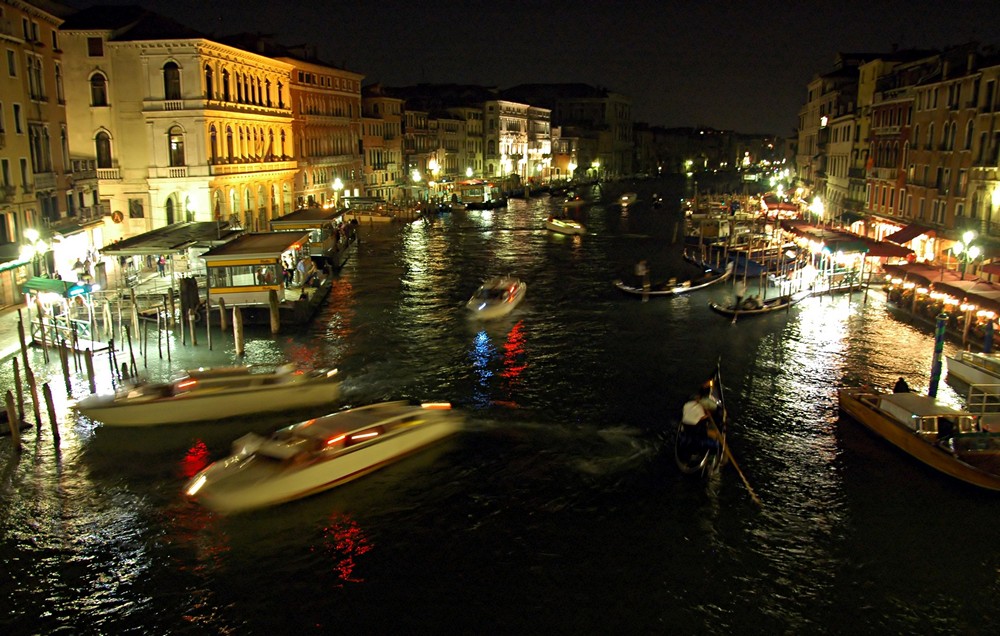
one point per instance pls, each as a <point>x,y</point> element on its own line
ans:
<point>222,314</point>
<point>131,354</point>
<point>20,337</point>
<point>33,388</point>
<point>64,360</point>
<point>14,422</point>
<point>20,390</point>
<point>272,301</point>
<point>50,405</point>
<point>194,336</point>
<point>159,334</point>
<point>238,330</point>
<point>89,361</point>
<point>208,322</point>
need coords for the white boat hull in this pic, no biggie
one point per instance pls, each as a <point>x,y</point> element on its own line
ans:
<point>966,369</point>
<point>196,407</point>
<point>570,228</point>
<point>482,308</point>
<point>260,484</point>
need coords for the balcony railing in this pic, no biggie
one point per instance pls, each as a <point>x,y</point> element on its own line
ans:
<point>7,193</point>
<point>177,172</point>
<point>109,174</point>
<point>257,166</point>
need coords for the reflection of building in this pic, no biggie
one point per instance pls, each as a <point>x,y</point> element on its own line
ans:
<point>180,127</point>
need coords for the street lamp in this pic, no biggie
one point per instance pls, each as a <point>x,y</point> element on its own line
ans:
<point>35,250</point>
<point>338,185</point>
<point>965,251</point>
<point>468,172</point>
<point>817,207</point>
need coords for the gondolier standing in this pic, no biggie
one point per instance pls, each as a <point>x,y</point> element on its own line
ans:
<point>741,291</point>
<point>642,272</point>
<point>697,414</point>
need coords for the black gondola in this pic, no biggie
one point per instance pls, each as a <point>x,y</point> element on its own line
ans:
<point>693,455</point>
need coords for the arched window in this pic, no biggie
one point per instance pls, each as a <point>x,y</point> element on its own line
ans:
<point>225,85</point>
<point>209,88</point>
<point>98,90</point>
<point>170,211</point>
<point>930,137</point>
<point>213,142</point>
<point>270,145</point>
<point>281,96</point>
<point>171,81</point>
<point>282,148</point>
<point>175,140</point>
<point>229,143</point>
<point>267,93</point>
<point>102,146</point>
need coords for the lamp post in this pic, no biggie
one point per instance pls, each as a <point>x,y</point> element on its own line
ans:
<point>35,250</point>
<point>965,251</point>
<point>817,207</point>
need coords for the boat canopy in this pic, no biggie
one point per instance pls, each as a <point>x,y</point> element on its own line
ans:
<point>914,404</point>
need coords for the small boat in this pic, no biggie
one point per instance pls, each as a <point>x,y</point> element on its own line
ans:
<point>564,226</point>
<point>753,306</point>
<point>211,394</point>
<point>319,454</point>
<point>976,368</point>
<point>497,297</point>
<point>673,288</point>
<point>573,201</point>
<point>627,199</point>
<point>946,439</point>
<point>692,455</point>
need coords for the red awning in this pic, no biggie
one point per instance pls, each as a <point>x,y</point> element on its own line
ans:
<point>907,234</point>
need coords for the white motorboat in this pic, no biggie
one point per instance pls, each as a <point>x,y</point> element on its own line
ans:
<point>564,226</point>
<point>627,199</point>
<point>213,393</point>
<point>319,454</point>
<point>497,297</point>
<point>976,368</point>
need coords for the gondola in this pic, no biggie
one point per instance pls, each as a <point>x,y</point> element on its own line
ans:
<point>693,457</point>
<point>672,287</point>
<point>754,307</point>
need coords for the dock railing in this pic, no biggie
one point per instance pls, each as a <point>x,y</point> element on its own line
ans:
<point>984,400</point>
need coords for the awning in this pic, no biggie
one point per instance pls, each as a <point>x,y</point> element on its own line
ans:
<point>907,234</point>
<point>64,288</point>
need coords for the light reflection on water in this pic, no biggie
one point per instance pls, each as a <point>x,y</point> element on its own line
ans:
<point>559,492</point>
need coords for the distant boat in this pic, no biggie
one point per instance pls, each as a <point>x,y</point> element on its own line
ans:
<point>564,226</point>
<point>627,199</point>
<point>496,297</point>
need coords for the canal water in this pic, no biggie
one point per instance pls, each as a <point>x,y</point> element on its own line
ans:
<point>558,508</point>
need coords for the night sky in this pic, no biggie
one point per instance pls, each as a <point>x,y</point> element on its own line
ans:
<point>732,65</point>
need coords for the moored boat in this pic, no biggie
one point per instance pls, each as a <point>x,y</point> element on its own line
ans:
<point>948,440</point>
<point>213,393</point>
<point>497,297</point>
<point>319,454</point>
<point>672,287</point>
<point>975,368</point>
<point>564,226</point>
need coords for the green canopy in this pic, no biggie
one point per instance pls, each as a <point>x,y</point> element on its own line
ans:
<point>42,284</point>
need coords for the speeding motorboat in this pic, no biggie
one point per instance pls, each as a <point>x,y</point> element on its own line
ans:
<point>319,454</point>
<point>211,394</point>
<point>564,226</point>
<point>497,297</point>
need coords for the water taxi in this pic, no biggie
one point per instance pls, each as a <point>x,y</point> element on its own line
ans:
<point>497,297</point>
<point>946,439</point>
<point>319,454</point>
<point>212,394</point>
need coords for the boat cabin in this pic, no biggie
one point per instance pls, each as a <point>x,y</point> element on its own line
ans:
<point>926,416</point>
<point>323,226</point>
<point>247,269</point>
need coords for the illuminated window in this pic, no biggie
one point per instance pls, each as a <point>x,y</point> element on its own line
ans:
<point>176,143</point>
<point>171,81</point>
<point>98,90</point>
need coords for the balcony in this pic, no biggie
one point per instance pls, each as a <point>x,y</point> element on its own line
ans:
<point>45,180</point>
<point>7,193</point>
<point>250,167</point>
<point>109,174</point>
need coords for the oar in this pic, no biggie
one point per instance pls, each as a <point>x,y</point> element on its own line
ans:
<point>729,456</point>
<point>746,483</point>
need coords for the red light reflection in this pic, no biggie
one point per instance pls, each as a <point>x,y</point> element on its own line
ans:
<point>513,353</point>
<point>344,541</point>
<point>195,459</point>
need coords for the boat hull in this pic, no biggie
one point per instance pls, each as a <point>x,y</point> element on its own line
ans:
<point>570,228</point>
<point>673,290</point>
<point>972,369</point>
<point>919,447</point>
<point>273,485</point>
<point>187,408</point>
<point>490,309</point>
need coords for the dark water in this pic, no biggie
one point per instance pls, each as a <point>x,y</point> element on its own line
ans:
<point>558,509</point>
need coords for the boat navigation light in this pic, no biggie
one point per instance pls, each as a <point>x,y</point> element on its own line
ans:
<point>331,372</point>
<point>335,440</point>
<point>364,435</point>
<point>481,307</point>
<point>443,406</point>
<point>187,384</point>
<point>196,485</point>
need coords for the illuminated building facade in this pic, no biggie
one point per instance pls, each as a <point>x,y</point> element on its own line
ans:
<point>470,158</point>
<point>179,127</point>
<point>382,143</point>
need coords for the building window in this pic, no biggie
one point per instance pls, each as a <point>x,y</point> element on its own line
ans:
<point>225,85</point>
<point>60,95</point>
<point>102,146</point>
<point>213,142</point>
<point>171,81</point>
<point>229,143</point>
<point>176,142</point>
<point>17,120</point>
<point>98,90</point>
<point>95,47</point>
<point>209,88</point>
<point>135,210</point>
<point>11,63</point>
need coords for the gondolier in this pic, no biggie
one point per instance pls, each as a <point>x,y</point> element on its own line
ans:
<point>697,414</point>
